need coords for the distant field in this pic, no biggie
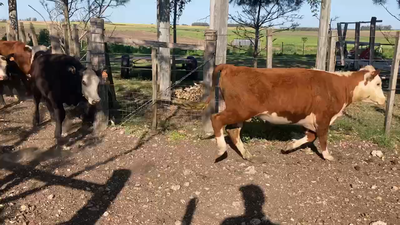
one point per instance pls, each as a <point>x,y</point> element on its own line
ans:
<point>292,40</point>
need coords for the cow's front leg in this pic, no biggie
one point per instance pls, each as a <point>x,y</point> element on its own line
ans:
<point>59,114</point>
<point>322,133</point>
<point>36,117</point>
<point>234,134</point>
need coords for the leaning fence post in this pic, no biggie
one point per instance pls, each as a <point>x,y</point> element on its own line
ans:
<point>66,39</point>
<point>269,48</point>
<point>22,32</point>
<point>392,85</point>
<point>154,86</point>
<point>33,34</point>
<point>55,42</point>
<point>98,62</point>
<point>208,69</point>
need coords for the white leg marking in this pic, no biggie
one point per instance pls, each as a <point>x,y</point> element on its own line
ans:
<point>221,143</point>
<point>297,143</point>
<point>239,144</point>
<point>327,155</point>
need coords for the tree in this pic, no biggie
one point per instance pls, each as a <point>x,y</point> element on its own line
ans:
<point>383,2</point>
<point>258,14</point>
<point>98,8</point>
<point>12,13</point>
<point>177,7</point>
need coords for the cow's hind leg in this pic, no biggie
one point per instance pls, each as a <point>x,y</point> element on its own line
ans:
<point>322,133</point>
<point>220,120</point>
<point>234,133</point>
<point>36,98</point>
<point>309,137</point>
<point>59,114</point>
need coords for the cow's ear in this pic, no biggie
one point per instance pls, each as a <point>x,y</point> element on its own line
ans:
<point>371,75</point>
<point>104,74</point>
<point>72,69</point>
<point>10,57</point>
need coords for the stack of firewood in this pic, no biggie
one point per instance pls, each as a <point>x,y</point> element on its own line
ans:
<point>191,93</point>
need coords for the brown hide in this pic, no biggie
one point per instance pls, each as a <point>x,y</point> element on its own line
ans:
<point>21,53</point>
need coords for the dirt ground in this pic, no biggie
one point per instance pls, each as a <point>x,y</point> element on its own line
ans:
<point>121,177</point>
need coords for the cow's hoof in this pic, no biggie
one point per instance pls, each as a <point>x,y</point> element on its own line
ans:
<point>247,156</point>
<point>328,156</point>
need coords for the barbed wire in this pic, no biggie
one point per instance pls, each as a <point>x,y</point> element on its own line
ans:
<point>129,116</point>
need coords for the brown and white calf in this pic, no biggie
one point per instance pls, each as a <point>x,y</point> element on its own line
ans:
<point>310,98</point>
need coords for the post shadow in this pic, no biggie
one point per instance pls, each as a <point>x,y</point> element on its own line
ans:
<point>190,209</point>
<point>254,199</point>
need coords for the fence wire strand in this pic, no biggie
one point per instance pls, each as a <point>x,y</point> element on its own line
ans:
<point>129,116</point>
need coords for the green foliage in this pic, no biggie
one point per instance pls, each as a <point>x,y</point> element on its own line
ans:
<point>4,38</point>
<point>44,37</point>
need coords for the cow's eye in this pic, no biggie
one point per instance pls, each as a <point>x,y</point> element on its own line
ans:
<point>83,83</point>
<point>378,84</point>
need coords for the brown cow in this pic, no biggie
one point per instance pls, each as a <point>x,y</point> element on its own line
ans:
<point>310,98</point>
<point>21,52</point>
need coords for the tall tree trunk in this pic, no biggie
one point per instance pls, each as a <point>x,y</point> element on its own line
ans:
<point>68,23</point>
<point>12,13</point>
<point>257,35</point>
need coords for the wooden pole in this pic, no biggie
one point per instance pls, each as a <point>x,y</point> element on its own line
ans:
<point>357,45</point>
<point>269,48</point>
<point>55,41</point>
<point>76,50</point>
<point>341,44</point>
<point>98,61</point>
<point>323,34</point>
<point>164,56</point>
<point>219,12</point>
<point>282,48</point>
<point>88,52</point>
<point>208,69</point>
<point>22,32</point>
<point>392,85</point>
<point>332,53</point>
<point>154,86</point>
<point>372,41</point>
<point>13,16</point>
<point>33,34</point>
<point>8,31</point>
<point>66,39</point>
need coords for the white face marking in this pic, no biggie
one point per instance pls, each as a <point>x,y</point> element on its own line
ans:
<point>273,118</point>
<point>372,92</point>
<point>90,83</point>
<point>340,113</point>
<point>310,122</point>
<point>3,65</point>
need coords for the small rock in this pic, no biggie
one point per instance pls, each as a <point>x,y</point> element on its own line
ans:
<point>255,221</point>
<point>197,193</point>
<point>379,198</point>
<point>106,214</point>
<point>377,153</point>
<point>187,172</point>
<point>121,132</point>
<point>357,168</point>
<point>374,187</point>
<point>186,184</point>
<point>179,222</point>
<point>50,197</point>
<point>378,223</point>
<point>176,187</point>
<point>394,188</point>
<point>394,168</point>
<point>250,170</point>
<point>23,208</point>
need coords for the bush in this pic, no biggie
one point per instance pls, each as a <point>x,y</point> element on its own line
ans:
<point>44,37</point>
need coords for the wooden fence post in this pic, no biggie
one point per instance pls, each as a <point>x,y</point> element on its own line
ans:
<point>22,32</point>
<point>332,53</point>
<point>98,62</point>
<point>372,40</point>
<point>66,39</point>
<point>392,85</point>
<point>154,86</point>
<point>208,69</point>
<point>88,51</point>
<point>357,45</point>
<point>341,44</point>
<point>164,53</point>
<point>269,48</point>
<point>55,41</point>
<point>33,34</point>
<point>77,50</point>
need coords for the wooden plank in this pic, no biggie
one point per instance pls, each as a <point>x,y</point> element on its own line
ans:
<point>324,19</point>
<point>154,86</point>
<point>332,53</point>
<point>372,40</point>
<point>88,52</point>
<point>269,48</point>
<point>66,39</point>
<point>392,85</point>
<point>54,39</point>
<point>345,32</point>
<point>22,32</point>
<point>33,34</point>
<point>378,21</point>
<point>357,45</point>
<point>219,11</point>
<point>153,44</point>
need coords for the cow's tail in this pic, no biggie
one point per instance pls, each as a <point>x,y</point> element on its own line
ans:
<point>217,69</point>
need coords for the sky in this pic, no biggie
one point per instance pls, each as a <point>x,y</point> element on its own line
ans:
<point>144,12</point>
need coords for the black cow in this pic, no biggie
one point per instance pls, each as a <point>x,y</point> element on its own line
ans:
<point>61,79</point>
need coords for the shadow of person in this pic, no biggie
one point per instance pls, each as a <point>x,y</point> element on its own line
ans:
<point>254,200</point>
